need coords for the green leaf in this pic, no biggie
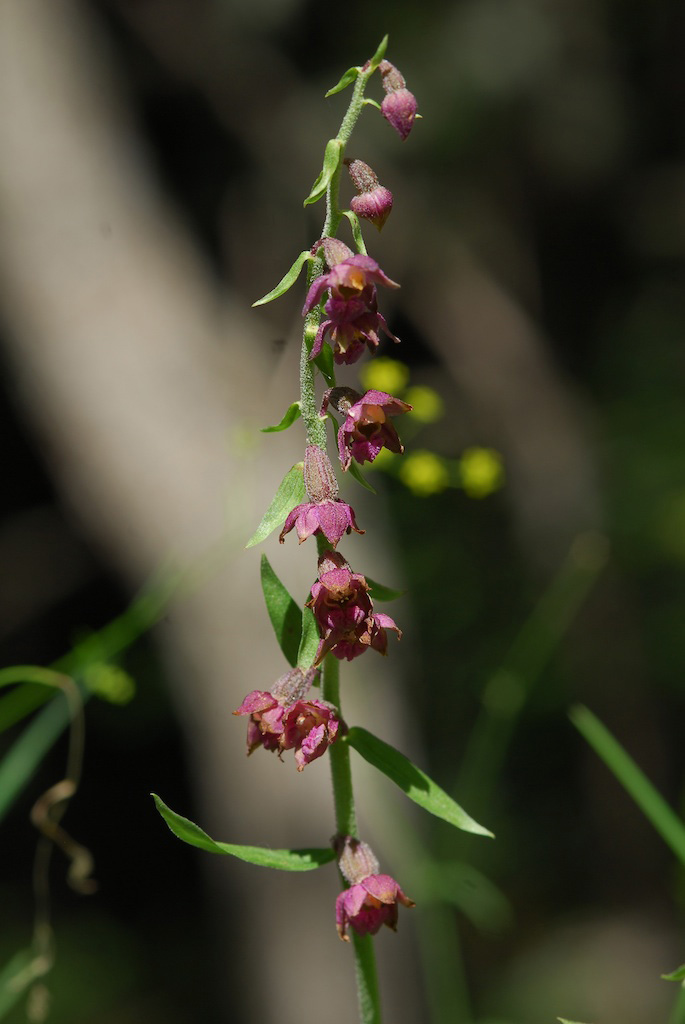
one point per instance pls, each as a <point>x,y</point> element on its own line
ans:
<point>286,617</point>
<point>368,102</point>
<point>677,975</point>
<point>309,644</point>
<point>288,281</point>
<point>282,860</point>
<point>415,783</point>
<point>324,363</point>
<point>356,472</point>
<point>379,54</point>
<point>665,821</point>
<point>562,1020</point>
<point>291,415</point>
<point>347,79</point>
<point>356,230</point>
<point>381,593</point>
<point>331,162</point>
<point>290,493</point>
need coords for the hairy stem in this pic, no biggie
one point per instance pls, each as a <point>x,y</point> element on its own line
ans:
<point>315,426</point>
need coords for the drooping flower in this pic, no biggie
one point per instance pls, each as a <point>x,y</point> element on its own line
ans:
<point>283,720</point>
<point>324,513</point>
<point>344,612</point>
<point>352,316</point>
<point>331,518</point>
<point>367,427</point>
<point>371,900</point>
<point>309,726</point>
<point>399,106</point>
<point>373,202</point>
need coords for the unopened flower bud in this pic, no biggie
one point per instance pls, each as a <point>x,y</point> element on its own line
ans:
<point>374,202</point>
<point>356,859</point>
<point>399,106</point>
<point>319,478</point>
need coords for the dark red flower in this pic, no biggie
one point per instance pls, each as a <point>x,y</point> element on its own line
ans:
<point>367,427</point>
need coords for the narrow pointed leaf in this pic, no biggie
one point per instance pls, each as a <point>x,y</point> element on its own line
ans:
<point>662,818</point>
<point>381,593</point>
<point>291,415</point>
<point>347,79</point>
<point>379,54</point>
<point>368,102</point>
<point>288,281</point>
<point>415,783</point>
<point>356,230</point>
<point>309,644</point>
<point>677,975</point>
<point>562,1020</point>
<point>356,472</point>
<point>331,161</point>
<point>286,617</point>
<point>290,493</point>
<point>282,860</point>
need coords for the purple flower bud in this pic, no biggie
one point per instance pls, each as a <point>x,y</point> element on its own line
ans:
<point>367,427</point>
<point>374,202</point>
<point>319,478</point>
<point>371,900</point>
<point>399,106</point>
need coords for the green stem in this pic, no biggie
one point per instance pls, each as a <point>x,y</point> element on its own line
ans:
<point>339,753</point>
<point>315,426</point>
<point>346,825</point>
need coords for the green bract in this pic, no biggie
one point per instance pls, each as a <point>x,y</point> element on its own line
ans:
<point>356,230</point>
<point>290,493</point>
<point>293,412</point>
<point>331,162</point>
<point>281,860</point>
<point>415,783</point>
<point>309,644</point>
<point>347,79</point>
<point>288,281</point>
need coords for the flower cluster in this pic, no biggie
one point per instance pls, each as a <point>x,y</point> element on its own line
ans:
<point>344,613</point>
<point>371,900</point>
<point>280,719</point>
<point>353,320</point>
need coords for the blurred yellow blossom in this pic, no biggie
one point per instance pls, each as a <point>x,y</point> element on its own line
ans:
<point>424,473</point>
<point>482,471</point>
<point>427,405</point>
<point>384,374</point>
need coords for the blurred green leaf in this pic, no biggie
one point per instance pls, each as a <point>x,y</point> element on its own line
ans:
<point>17,975</point>
<point>381,593</point>
<point>414,783</point>
<point>282,860</point>
<point>290,493</point>
<point>347,79</point>
<point>331,162</point>
<point>287,281</point>
<point>648,799</point>
<point>309,644</point>
<point>291,415</point>
<point>677,975</point>
<point>286,617</point>
<point>356,472</point>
